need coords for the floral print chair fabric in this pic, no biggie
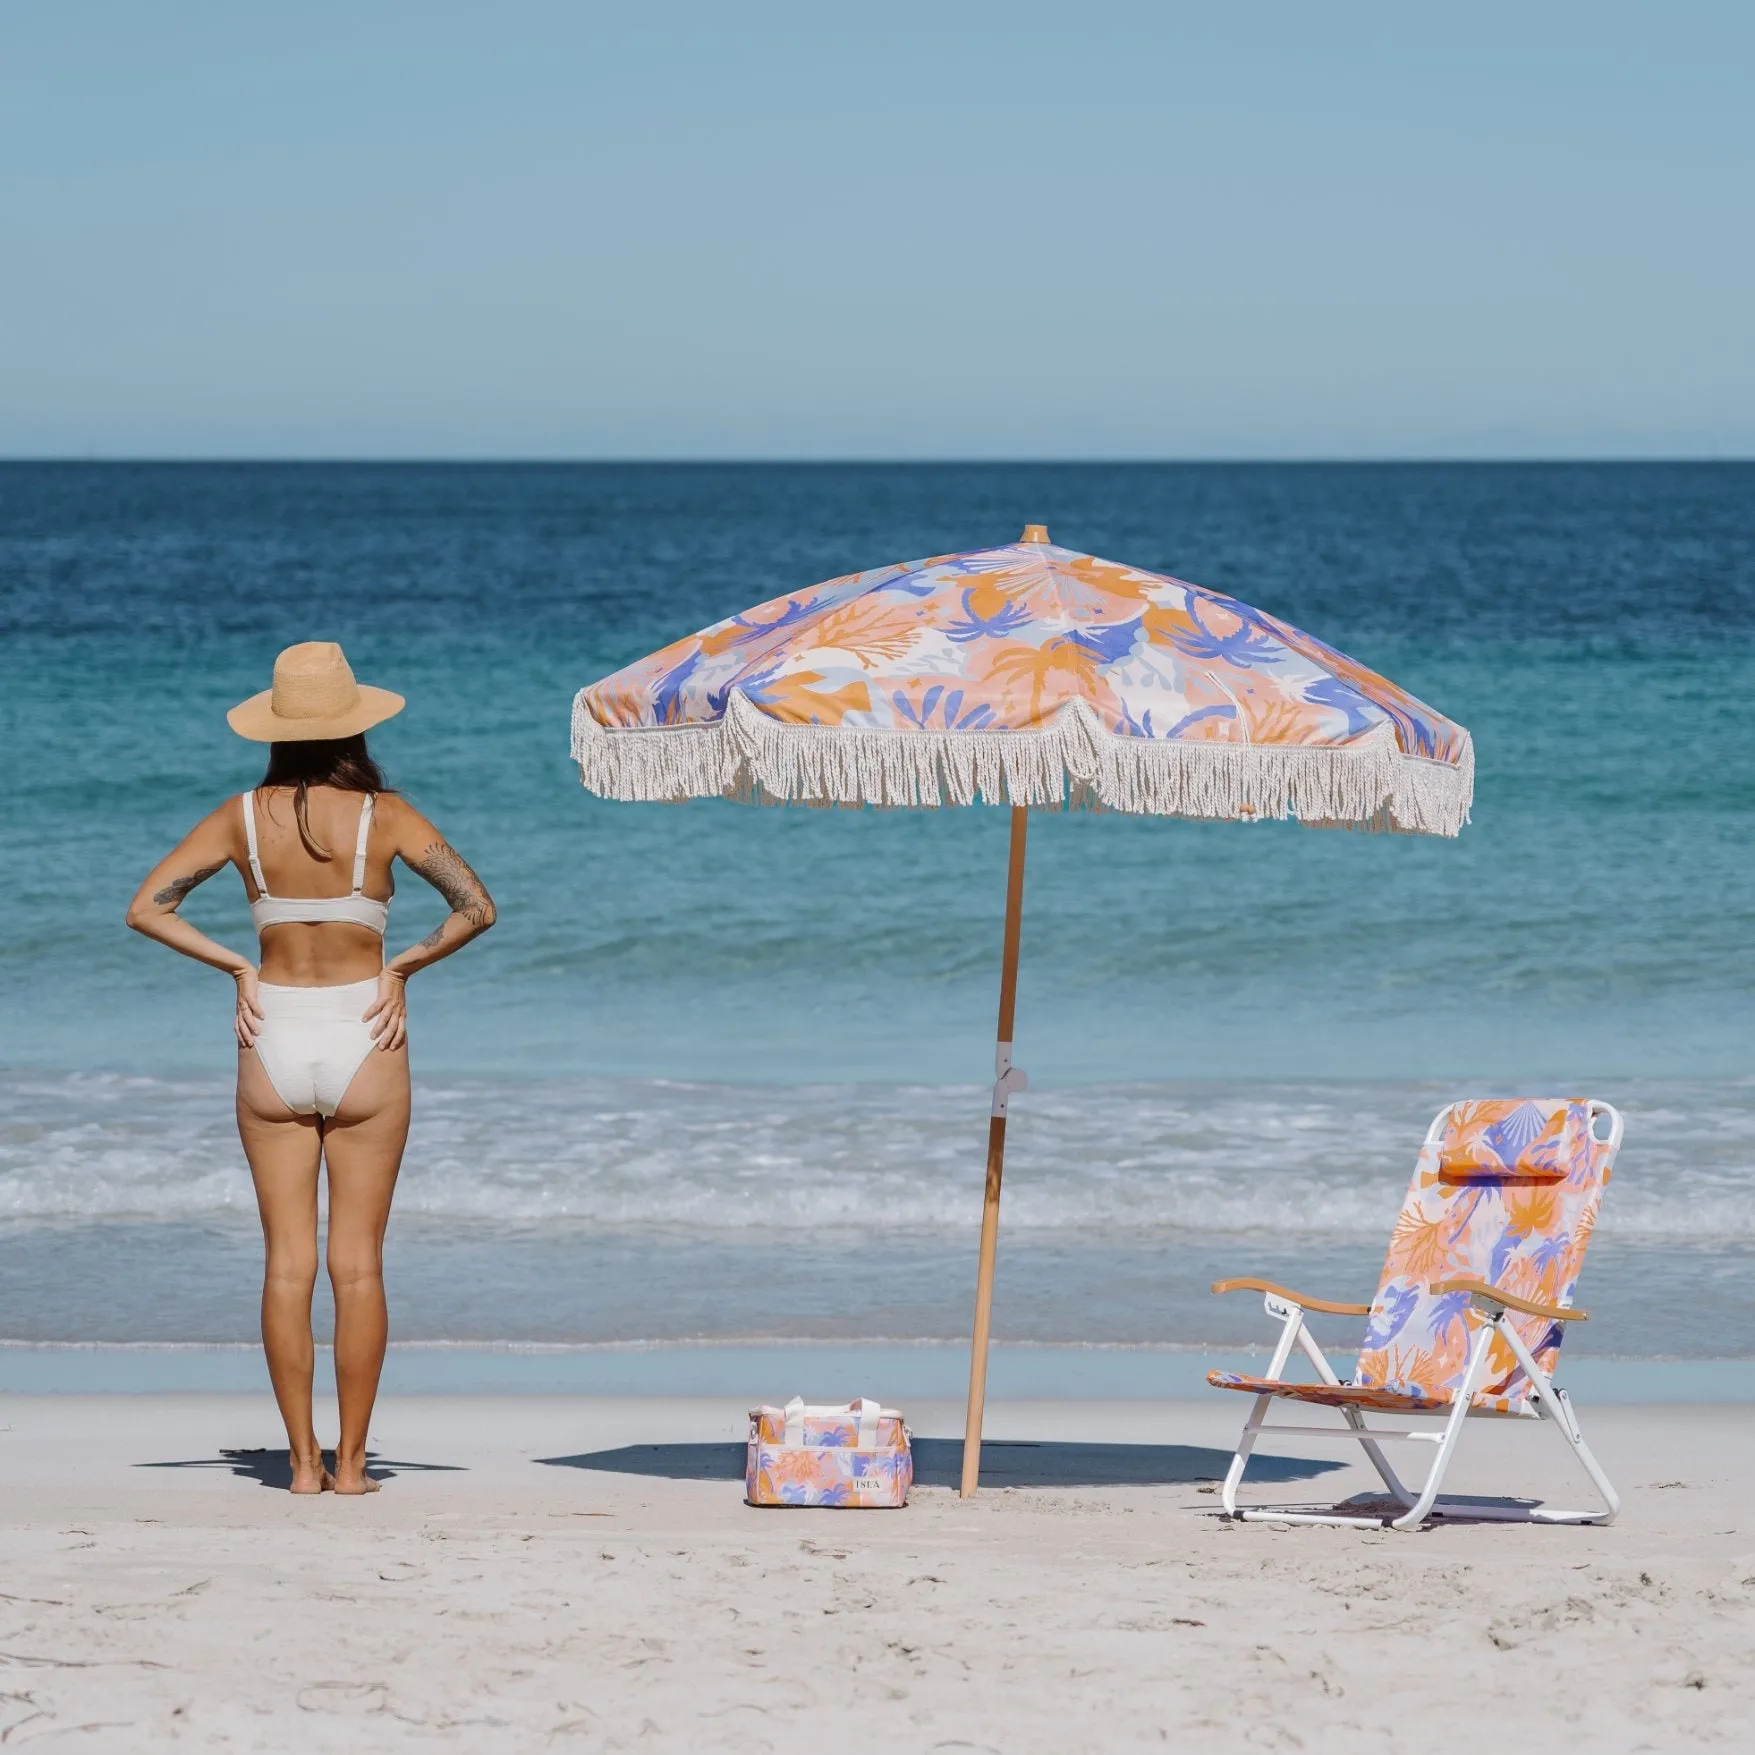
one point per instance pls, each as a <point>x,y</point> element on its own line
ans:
<point>1514,1137</point>
<point>1523,1228</point>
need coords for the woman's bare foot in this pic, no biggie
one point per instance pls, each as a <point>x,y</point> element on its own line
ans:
<point>309,1474</point>
<point>351,1478</point>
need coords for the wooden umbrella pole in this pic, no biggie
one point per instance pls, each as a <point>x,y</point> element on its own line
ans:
<point>1007,1079</point>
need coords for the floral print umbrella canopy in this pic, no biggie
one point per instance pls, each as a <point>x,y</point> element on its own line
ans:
<point>1025,675</point>
<point>1030,676</point>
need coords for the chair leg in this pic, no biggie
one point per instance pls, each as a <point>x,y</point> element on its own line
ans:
<point>1290,1332</point>
<point>1567,1421</point>
<point>1556,1406</point>
<point>1379,1461</point>
<point>1416,1514</point>
<point>1240,1459</point>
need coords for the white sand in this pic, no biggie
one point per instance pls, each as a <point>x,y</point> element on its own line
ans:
<point>513,1606</point>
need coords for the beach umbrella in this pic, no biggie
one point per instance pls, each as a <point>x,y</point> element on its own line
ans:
<point>1032,677</point>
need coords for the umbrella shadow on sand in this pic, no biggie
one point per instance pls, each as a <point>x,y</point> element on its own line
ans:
<point>938,1463</point>
<point>271,1468</point>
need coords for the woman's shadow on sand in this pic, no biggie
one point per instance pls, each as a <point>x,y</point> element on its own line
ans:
<point>938,1462</point>
<point>273,1468</point>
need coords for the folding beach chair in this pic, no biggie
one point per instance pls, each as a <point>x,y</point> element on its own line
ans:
<point>1469,1314</point>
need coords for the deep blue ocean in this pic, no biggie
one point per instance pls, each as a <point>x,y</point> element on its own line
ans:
<point>719,1071</point>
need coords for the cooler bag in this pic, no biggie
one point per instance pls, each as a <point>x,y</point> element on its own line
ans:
<point>853,1455</point>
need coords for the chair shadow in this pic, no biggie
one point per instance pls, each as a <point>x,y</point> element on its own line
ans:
<point>272,1468</point>
<point>1454,1509</point>
<point>938,1462</point>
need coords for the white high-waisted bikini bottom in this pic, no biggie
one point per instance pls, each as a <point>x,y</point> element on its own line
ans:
<point>313,1040</point>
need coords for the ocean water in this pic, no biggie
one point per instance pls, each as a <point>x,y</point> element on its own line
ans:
<point>719,1072</point>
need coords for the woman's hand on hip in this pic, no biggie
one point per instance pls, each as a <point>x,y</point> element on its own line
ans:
<point>248,1022</point>
<point>388,1014</point>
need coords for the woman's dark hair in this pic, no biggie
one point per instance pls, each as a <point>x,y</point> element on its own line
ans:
<point>342,762</point>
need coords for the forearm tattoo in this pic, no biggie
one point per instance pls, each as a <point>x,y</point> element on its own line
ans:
<point>433,939</point>
<point>171,896</point>
<point>448,872</point>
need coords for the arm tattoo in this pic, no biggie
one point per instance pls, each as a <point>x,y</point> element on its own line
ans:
<point>171,896</point>
<point>433,938</point>
<point>448,872</point>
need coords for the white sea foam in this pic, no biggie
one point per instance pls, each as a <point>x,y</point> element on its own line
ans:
<point>1327,1159</point>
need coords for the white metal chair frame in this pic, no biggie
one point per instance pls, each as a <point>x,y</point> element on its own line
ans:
<point>1493,1310</point>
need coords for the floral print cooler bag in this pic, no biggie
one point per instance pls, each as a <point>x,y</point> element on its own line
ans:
<point>856,1455</point>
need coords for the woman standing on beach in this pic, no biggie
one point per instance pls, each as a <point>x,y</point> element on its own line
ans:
<point>322,1025</point>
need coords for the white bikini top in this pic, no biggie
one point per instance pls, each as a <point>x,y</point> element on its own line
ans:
<point>357,909</point>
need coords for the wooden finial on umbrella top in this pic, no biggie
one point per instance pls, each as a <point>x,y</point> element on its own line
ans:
<point>1034,533</point>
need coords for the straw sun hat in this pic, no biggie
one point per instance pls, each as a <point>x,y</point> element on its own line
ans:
<point>314,697</point>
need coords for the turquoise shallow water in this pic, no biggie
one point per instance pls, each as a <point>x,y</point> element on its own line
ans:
<point>730,1028</point>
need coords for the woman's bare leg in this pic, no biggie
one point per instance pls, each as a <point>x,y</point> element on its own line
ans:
<point>363,1147</point>
<point>284,1150</point>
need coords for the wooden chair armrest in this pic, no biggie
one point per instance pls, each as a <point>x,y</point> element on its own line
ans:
<point>1298,1298</point>
<point>1511,1301</point>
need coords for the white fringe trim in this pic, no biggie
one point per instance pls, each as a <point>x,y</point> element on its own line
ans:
<point>1075,763</point>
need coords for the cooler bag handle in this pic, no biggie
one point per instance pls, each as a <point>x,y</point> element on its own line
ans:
<point>867,1410</point>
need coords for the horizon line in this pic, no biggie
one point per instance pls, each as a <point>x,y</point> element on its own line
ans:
<point>320,460</point>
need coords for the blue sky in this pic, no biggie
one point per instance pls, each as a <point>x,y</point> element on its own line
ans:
<point>949,230</point>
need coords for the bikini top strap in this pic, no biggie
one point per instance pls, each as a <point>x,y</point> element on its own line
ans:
<point>250,841</point>
<point>359,852</point>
